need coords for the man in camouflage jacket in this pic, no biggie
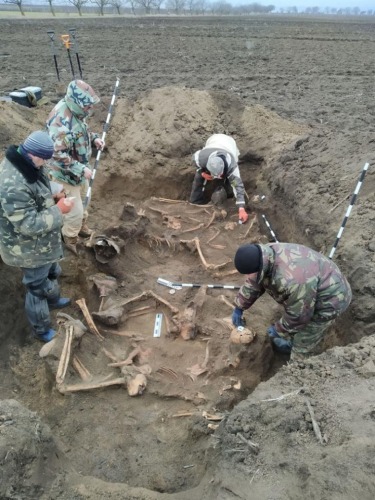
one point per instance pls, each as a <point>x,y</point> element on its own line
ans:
<point>73,141</point>
<point>311,288</point>
<point>217,162</point>
<point>30,225</point>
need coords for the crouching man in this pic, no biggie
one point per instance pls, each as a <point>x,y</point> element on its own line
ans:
<point>311,288</point>
<point>30,228</point>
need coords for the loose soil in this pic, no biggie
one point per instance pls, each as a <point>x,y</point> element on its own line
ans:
<point>296,95</point>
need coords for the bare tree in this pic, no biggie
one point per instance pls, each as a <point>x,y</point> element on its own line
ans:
<point>51,8</point>
<point>18,3</point>
<point>101,4</point>
<point>116,4</point>
<point>176,5</point>
<point>132,4</point>
<point>78,4</point>
<point>146,5</point>
<point>157,5</point>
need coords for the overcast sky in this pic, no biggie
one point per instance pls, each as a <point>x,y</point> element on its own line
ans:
<point>302,4</point>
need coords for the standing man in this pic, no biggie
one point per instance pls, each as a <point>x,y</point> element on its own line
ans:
<point>73,140</point>
<point>311,288</point>
<point>218,160</point>
<point>30,225</point>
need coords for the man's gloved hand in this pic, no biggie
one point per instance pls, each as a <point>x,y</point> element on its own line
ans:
<point>242,215</point>
<point>206,176</point>
<point>282,345</point>
<point>237,319</point>
<point>65,205</point>
<point>272,332</point>
<point>87,173</point>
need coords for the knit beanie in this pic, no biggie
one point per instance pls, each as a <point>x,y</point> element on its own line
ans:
<point>248,259</point>
<point>215,165</point>
<point>38,144</point>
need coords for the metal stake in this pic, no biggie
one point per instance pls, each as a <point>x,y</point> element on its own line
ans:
<point>51,34</point>
<point>72,32</point>
<point>67,44</point>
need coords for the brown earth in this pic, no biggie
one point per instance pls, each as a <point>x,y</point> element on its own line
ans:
<point>296,95</point>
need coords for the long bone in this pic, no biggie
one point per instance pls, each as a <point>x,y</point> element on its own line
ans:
<point>92,327</point>
<point>196,243</point>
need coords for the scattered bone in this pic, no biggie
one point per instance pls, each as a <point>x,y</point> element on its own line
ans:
<point>110,355</point>
<point>253,446</point>
<point>65,356</point>
<point>195,243</point>
<point>315,424</point>
<point>89,386</point>
<point>166,200</point>
<point>129,360</point>
<point>193,219</point>
<point>79,328</point>
<point>211,416</point>
<point>184,414</point>
<point>226,301</point>
<point>213,426</point>
<point>200,368</point>
<point>167,371</point>
<point>229,226</point>
<point>81,369</point>
<point>224,274</point>
<point>92,327</point>
<point>192,229</point>
<point>137,385</point>
<point>214,236</point>
<point>213,217</point>
<point>105,285</point>
<point>128,334</point>
<point>250,226</point>
<point>140,311</point>
<point>186,320</point>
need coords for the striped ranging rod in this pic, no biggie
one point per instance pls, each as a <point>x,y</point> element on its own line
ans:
<point>105,130</point>
<point>270,228</point>
<point>179,286</point>
<point>352,201</point>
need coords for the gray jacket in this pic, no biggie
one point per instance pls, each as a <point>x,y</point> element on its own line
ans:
<point>30,222</point>
<point>231,170</point>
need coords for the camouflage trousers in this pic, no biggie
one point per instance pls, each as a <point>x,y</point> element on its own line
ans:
<point>42,287</point>
<point>307,342</point>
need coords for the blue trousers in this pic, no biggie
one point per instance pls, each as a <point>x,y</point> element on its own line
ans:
<point>41,288</point>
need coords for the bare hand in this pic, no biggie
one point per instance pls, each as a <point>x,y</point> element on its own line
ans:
<point>87,173</point>
<point>99,144</point>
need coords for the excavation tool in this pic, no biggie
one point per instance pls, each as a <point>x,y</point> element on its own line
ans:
<point>72,33</point>
<point>51,35</point>
<point>68,45</point>
<point>347,214</point>
<point>270,228</point>
<point>105,130</point>
<point>178,286</point>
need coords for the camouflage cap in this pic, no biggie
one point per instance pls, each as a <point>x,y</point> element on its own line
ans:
<point>81,94</point>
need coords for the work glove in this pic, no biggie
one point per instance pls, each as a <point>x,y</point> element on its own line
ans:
<point>282,345</point>
<point>242,215</point>
<point>272,332</point>
<point>237,319</point>
<point>87,173</point>
<point>65,205</point>
<point>206,176</point>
